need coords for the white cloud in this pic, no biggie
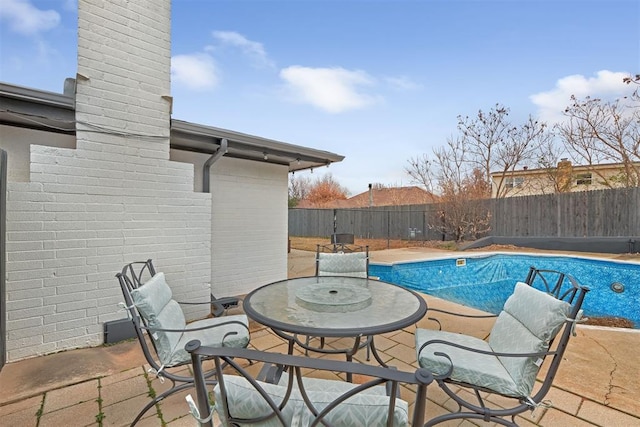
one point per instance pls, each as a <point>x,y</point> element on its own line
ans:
<point>195,71</point>
<point>403,83</point>
<point>606,85</point>
<point>331,89</point>
<point>254,50</point>
<point>25,18</point>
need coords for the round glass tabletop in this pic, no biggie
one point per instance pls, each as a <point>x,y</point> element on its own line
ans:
<point>334,306</point>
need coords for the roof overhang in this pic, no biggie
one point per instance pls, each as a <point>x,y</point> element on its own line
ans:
<point>55,112</point>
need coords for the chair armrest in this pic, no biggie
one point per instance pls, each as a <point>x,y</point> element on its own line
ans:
<point>200,328</point>
<point>223,300</point>
<point>479,351</point>
<point>218,305</point>
<point>475,316</point>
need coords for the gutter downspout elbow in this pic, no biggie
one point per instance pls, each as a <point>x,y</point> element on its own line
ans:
<point>206,172</point>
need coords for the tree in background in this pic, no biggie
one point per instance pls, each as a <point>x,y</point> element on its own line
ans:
<point>636,81</point>
<point>462,211</point>
<point>494,144</point>
<point>325,190</point>
<point>422,171</point>
<point>460,172</point>
<point>299,188</point>
<point>598,131</point>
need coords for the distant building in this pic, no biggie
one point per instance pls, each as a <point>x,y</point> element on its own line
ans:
<point>564,178</point>
<point>386,196</point>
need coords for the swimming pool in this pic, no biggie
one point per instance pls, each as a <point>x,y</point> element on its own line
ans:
<point>486,281</point>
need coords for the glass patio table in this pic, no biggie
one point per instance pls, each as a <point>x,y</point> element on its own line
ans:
<point>334,306</point>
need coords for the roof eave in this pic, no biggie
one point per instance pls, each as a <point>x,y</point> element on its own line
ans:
<point>54,112</point>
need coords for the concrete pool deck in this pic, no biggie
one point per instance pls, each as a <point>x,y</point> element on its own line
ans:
<point>598,383</point>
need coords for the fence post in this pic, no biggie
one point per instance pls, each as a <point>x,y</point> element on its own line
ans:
<point>388,229</point>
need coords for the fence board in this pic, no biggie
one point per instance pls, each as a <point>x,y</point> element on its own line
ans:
<point>599,213</point>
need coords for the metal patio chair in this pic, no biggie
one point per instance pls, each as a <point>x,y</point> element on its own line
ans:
<point>507,364</point>
<point>154,313</point>
<point>353,262</point>
<point>243,398</point>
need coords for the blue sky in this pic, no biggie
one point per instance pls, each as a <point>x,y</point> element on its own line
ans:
<point>376,81</point>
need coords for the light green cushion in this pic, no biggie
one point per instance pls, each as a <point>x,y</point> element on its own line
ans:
<point>529,320</point>
<point>160,311</point>
<point>468,367</point>
<point>332,386</point>
<point>232,335</point>
<point>151,297</point>
<point>154,302</point>
<point>343,264</point>
<point>357,411</point>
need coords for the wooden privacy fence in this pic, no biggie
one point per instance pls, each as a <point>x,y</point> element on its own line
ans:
<point>600,213</point>
<point>385,222</point>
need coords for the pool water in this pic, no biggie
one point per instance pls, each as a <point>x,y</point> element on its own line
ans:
<point>485,282</point>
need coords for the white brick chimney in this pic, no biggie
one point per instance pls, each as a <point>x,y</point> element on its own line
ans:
<point>114,199</point>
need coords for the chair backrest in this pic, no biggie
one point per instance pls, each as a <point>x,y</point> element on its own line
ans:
<point>151,306</point>
<point>531,319</point>
<point>355,264</point>
<point>243,398</point>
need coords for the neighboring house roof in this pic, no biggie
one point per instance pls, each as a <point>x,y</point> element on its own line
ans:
<point>392,196</point>
<point>55,112</point>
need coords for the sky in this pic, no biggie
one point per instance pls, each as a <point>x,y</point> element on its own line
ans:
<point>377,81</point>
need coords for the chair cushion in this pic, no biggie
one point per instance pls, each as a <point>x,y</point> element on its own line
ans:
<point>349,264</point>
<point>360,410</point>
<point>151,297</point>
<point>528,322</point>
<point>153,300</point>
<point>468,367</point>
<point>232,335</point>
<point>331,386</point>
<point>155,304</point>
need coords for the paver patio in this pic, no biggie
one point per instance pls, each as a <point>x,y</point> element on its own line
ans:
<point>598,383</point>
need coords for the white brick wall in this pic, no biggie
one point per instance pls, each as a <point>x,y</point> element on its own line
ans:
<point>114,199</point>
<point>249,221</point>
<point>16,142</point>
<point>249,225</point>
<point>78,210</point>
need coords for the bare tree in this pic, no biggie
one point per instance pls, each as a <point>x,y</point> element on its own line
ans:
<point>598,131</point>
<point>460,172</point>
<point>483,135</point>
<point>461,212</point>
<point>422,171</point>
<point>496,145</point>
<point>299,188</point>
<point>636,81</point>
<point>551,180</point>
<point>461,186</point>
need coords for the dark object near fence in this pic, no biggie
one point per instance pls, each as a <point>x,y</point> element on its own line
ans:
<point>342,239</point>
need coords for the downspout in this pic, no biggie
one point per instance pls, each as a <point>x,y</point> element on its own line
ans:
<point>206,172</point>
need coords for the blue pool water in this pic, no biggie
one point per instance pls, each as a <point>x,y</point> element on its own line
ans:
<point>485,282</point>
